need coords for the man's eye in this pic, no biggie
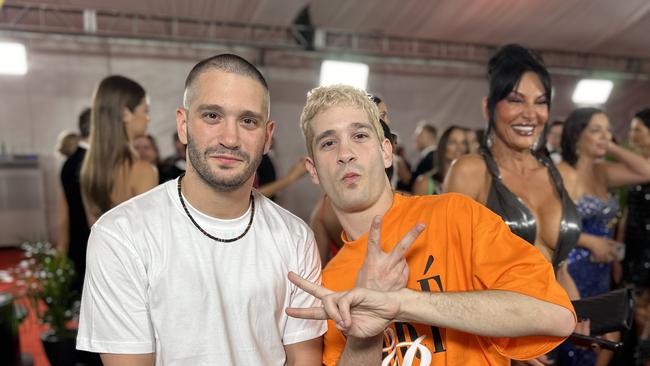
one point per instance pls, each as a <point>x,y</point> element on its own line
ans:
<point>210,115</point>
<point>249,121</point>
<point>360,136</point>
<point>326,144</point>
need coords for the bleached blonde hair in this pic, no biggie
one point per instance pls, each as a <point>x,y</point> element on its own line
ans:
<point>323,97</point>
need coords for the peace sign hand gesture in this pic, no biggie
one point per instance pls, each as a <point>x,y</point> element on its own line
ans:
<point>359,312</point>
<point>386,271</point>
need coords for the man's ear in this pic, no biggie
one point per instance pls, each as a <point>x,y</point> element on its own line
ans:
<point>387,153</point>
<point>484,109</point>
<point>270,127</point>
<point>311,168</point>
<point>181,125</point>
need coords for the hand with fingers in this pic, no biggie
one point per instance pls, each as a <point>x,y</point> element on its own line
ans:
<point>386,271</point>
<point>360,312</point>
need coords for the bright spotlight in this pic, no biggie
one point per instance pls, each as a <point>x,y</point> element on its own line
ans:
<point>340,72</point>
<point>14,58</point>
<point>592,91</point>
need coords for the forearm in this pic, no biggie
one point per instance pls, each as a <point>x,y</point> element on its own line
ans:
<point>491,313</point>
<point>270,189</point>
<point>362,351</point>
<point>109,359</point>
<point>632,161</point>
<point>585,240</point>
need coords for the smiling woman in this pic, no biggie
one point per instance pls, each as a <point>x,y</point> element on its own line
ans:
<point>521,185</point>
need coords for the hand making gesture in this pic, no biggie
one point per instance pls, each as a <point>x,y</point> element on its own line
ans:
<point>386,271</point>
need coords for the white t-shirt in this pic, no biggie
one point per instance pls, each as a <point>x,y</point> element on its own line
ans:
<point>155,283</point>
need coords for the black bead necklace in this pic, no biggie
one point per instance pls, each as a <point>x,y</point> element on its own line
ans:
<point>250,222</point>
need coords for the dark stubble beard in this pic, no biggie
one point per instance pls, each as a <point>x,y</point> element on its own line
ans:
<point>199,161</point>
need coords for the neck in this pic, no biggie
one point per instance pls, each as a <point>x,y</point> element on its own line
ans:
<point>208,200</point>
<point>585,165</point>
<point>357,223</point>
<point>512,159</point>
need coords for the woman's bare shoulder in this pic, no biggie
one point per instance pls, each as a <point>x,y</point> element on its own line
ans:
<point>466,175</point>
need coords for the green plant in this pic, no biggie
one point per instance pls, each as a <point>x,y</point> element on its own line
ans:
<point>47,277</point>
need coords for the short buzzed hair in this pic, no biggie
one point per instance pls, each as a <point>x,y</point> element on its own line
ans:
<point>324,97</point>
<point>429,128</point>
<point>225,62</point>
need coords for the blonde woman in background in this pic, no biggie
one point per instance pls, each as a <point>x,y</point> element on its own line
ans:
<point>111,171</point>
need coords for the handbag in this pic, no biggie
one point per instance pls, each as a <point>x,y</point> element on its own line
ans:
<point>610,312</point>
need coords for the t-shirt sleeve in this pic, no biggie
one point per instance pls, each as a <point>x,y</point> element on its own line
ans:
<point>309,267</point>
<point>503,261</point>
<point>114,308</point>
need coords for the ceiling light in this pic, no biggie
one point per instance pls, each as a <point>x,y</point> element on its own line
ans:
<point>340,72</point>
<point>14,58</point>
<point>592,91</point>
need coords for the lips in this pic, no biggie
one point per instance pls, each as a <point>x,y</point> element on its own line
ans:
<point>524,130</point>
<point>350,177</point>
<point>227,159</point>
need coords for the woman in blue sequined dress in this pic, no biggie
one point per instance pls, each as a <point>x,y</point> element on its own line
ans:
<point>586,140</point>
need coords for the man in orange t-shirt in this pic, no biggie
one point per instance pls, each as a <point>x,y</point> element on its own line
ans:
<point>458,288</point>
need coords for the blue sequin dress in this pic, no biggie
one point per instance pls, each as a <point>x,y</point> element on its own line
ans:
<point>591,278</point>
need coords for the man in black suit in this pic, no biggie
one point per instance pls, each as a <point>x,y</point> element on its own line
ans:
<point>425,141</point>
<point>74,230</point>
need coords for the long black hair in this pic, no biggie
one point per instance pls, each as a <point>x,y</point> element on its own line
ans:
<point>505,70</point>
<point>573,127</point>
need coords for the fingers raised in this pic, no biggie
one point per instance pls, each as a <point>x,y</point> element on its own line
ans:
<point>309,287</point>
<point>374,237</point>
<point>307,313</point>
<point>403,246</point>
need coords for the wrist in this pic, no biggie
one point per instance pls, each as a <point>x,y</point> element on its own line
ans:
<point>360,344</point>
<point>402,298</point>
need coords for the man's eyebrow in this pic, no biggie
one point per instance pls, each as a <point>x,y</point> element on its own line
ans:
<point>323,135</point>
<point>210,107</point>
<point>253,114</point>
<point>360,125</point>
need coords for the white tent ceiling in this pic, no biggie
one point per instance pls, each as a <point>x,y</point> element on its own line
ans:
<point>620,28</point>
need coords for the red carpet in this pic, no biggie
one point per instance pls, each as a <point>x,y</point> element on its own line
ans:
<point>30,329</point>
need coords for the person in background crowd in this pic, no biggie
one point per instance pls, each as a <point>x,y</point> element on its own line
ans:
<point>147,149</point>
<point>636,265</point>
<point>473,142</point>
<point>553,138</point>
<point>73,226</point>
<point>265,177</point>
<point>111,172</point>
<point>426,137</point>
<point>586,140</point>
<point>453,144</point>
<point>67,143</point>
<point>173,166</point>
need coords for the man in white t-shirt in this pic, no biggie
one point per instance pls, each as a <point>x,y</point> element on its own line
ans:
<point>193,272</point>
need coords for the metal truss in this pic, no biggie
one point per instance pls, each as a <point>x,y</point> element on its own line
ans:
<point>295,41</point>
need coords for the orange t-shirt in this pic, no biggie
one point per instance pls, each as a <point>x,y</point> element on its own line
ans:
<point>464,247</point>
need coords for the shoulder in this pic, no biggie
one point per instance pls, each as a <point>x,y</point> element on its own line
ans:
<point>73,162</point>
<point>455,204</point>
<point>466,175</point>
<point>279,217</point>
<point>142,167</point>
<point>137,210</point>
<point>570,178</point>
<point>470,164</point>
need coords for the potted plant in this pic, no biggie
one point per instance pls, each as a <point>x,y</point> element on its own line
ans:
<point>47,275</point>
